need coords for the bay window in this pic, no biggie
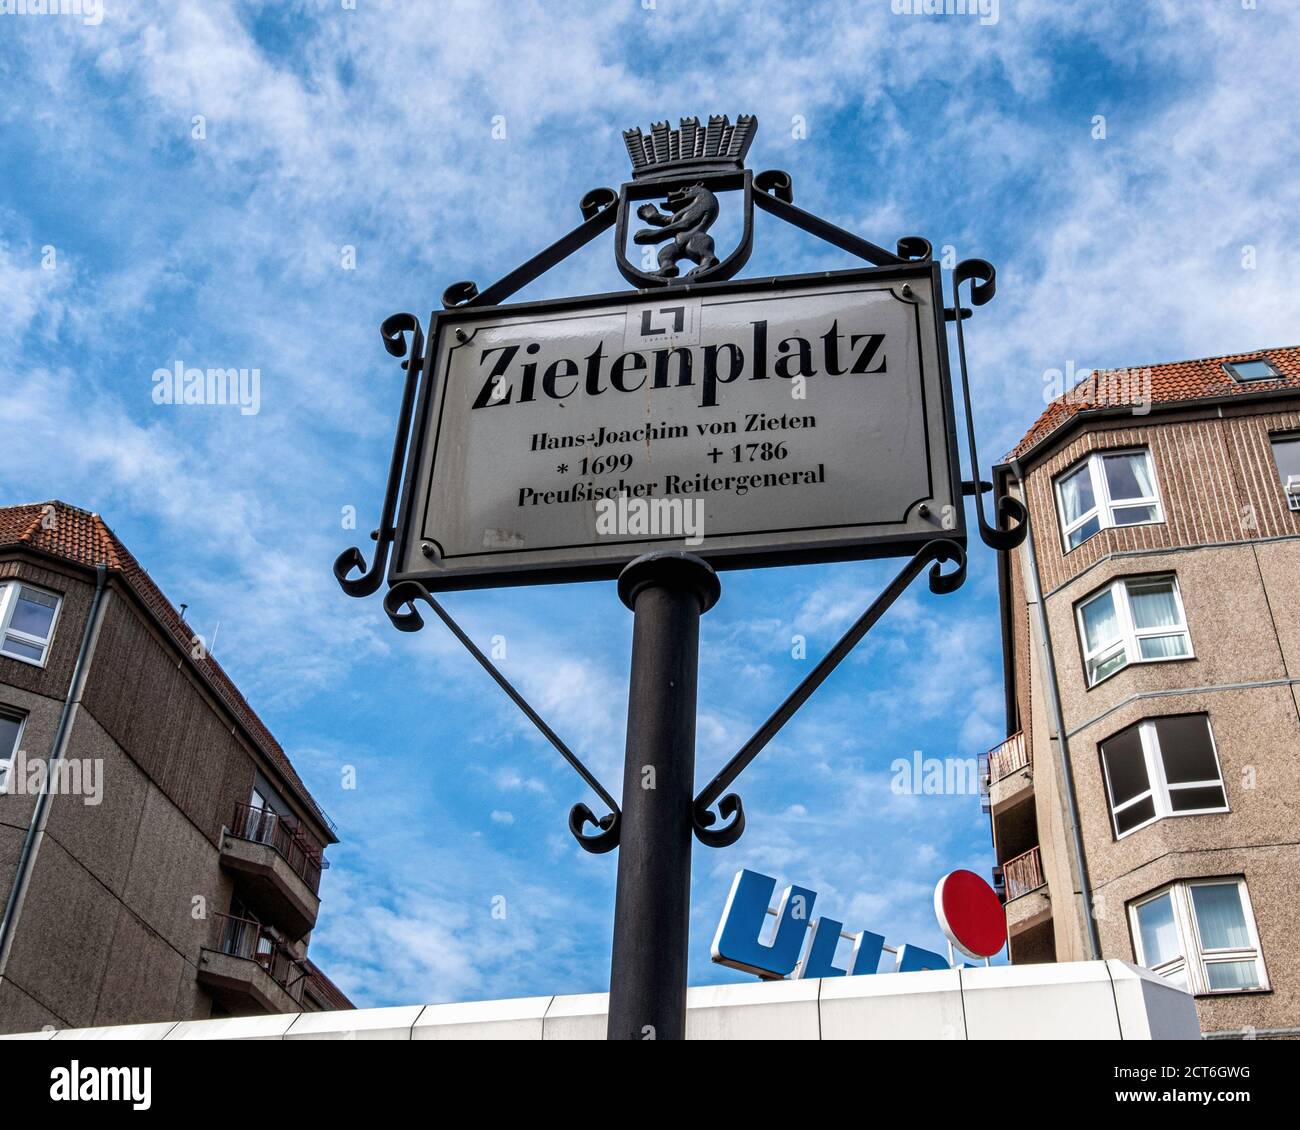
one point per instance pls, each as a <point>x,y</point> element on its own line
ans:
<point>27,619</point>
<point>1162,767</point>
<point>1201,935</point>
<point>1109,488</point>
<point>1138,620</point>
<point>1286,454</point>
<point>11,732</point>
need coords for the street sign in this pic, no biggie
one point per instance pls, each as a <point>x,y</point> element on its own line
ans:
<point>656,435</point>
<point>771,421</point>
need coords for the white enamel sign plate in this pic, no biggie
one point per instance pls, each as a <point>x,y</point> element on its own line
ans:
<point>750,424</point>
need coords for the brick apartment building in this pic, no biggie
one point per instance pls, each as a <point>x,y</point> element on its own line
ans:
<point>188,886</point>
<point>1146,805</point>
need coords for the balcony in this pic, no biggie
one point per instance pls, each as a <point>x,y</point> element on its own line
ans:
<point>1010,776</point>
<point>253,971</point>
<point>1023,874</point>
<point>278,865</point>
<point>1027,899</point>
<point>1011,755</point>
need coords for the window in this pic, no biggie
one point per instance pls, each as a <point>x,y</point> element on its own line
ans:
<point>1162,767</point>
<point>27,618</point>
<point>1139,620</point>
<point>11,732</point>
<point>1109,488</point>
<point>1200,935</point>
<point>258,822</point>
<point>1286,454</point>
<point>246,935</point>
<point>1253,369</point>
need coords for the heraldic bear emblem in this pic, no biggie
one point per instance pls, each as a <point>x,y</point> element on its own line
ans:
<point>691,212</point>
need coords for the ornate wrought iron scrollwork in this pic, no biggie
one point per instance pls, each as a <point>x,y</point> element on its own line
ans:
<point>941,582</point>
<point>915,249</point>
<point>393,330</point>
<point>776,182</point>
<point>1010,515</point>
<point>604,840</point>
<point>726,834</point>
<point>399,604</point>
<point>459,294</point>
<point>596,201</point>
<point>982,276</point>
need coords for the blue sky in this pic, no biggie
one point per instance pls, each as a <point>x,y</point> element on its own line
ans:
<point>371,126</point>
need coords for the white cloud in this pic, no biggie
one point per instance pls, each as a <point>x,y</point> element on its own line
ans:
<point>32,296</point>
<point>374,128</point>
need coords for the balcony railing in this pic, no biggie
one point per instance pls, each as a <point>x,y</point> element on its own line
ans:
<point>1011,755</point>
<point>298,847</point>
<point>246,938</point>
<point>1023,874</point>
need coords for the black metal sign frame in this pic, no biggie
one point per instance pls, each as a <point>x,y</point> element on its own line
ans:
<point>863,545</point>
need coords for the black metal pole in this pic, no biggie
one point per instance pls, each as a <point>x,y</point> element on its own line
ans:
<point>667,592</point>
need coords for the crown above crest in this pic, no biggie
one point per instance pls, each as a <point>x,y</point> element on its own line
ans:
<point>720,147</point>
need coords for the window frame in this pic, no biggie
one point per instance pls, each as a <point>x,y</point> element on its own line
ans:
<point>1194,964</point>
<point>1130,636</point>
<point>1292,495</point>
<point>1230,367</point>
<point>10,593</point>
<point>7,760</point>
<point>1158,786</point>
<point>1104,506</point>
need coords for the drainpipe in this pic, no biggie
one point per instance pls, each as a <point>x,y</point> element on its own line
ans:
<point>62,737</point>
<point>1078,859</point>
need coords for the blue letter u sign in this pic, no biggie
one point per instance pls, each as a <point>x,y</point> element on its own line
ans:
<point>737,941</point>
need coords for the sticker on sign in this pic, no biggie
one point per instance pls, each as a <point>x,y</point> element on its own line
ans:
<point>762,422</point>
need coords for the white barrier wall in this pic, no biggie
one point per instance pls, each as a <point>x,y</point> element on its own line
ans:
<point>1098,1000</point>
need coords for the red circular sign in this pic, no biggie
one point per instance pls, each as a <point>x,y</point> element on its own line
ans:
<point>970,913</point>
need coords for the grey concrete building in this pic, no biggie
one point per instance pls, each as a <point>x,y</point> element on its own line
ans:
<point>160,859</point>
<point>1146,804</point>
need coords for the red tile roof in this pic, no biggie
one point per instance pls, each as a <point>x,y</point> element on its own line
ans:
<point>1160,384</point>
<point>83,538</point>
<point>329,992</point>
